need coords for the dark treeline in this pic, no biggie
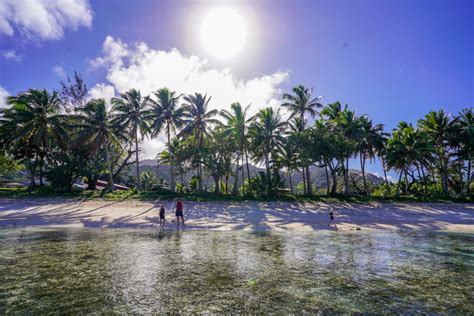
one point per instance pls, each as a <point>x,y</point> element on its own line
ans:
<point>64,137</point>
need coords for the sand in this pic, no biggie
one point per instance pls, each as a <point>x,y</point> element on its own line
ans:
<point>275,216</point>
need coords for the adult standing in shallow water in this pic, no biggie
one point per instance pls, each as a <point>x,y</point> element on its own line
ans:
<point>179,211</point>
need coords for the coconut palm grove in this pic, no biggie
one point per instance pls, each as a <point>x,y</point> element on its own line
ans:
<point>63,137</point>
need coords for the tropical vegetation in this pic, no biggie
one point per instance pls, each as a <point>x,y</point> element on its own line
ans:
<point>67,139</point>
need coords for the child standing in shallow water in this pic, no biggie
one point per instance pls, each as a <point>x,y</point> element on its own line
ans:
<point>162,216</point>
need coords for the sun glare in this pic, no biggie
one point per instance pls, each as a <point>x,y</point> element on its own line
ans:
<point>223,32</point>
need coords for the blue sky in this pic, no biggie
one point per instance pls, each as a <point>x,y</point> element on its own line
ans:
<point>393,59</point>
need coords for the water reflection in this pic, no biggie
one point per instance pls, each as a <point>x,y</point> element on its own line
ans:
<point>139,271</point>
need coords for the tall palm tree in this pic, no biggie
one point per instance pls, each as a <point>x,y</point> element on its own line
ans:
<point>351,127</point>
<point>131,112</point>
<point>96,129</point>
<point>236,127</point>
<point>466,132</point>
<point>198,122</point>
<point>267,132</point>
<point>371,138</point>
<point>33,122</point>
<point>439,127</point>
<point>168,114</point>
<point>299,103</point>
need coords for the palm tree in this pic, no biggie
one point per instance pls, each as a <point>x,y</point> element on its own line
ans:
<point>236,127</point>
<point>299,103</point>
<point>198,122</point>
<point>32,123</point>
<point>131,112</point>
<point>267,132</point>
<point>350,126</point>
<point>439,127</point>
<point>407,147</point>
<point>96,128</point>
<point>166,113</point>
<point>466,129</point>
<point>288,158</point>
<point>148,180</point>
<point>371,138</point>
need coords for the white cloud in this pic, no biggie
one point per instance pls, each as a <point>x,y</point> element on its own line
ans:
<point>144,68</point>
<point>10,55</point>
<point>3,95</point>
<point>113,53</point>
<point>102,91</point>
<point>43,19</point>
<point>59,71</point>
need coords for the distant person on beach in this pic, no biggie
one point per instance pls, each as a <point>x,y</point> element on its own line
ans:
<point>179,211</point>
<point>331,219</point>
<point>162,216</point>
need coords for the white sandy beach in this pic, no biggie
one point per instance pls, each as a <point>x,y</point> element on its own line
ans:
<point>278,216</point>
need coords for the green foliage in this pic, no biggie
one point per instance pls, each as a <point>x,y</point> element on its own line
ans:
<point>148,180</point>
<point>9,166</point>
<point>67,139</point>
<point>193,184</point>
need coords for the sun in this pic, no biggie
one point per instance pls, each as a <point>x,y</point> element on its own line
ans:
<point>223,32</point>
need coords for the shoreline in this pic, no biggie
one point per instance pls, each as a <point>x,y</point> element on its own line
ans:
<point>230,216</point>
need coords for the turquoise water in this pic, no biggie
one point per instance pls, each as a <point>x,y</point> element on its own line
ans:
<point>139,271</point>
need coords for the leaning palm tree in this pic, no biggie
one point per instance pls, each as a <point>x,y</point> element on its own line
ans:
<point>198,122</point>
<point>166,113</point>
<point>96,129</point>
<point>300,103</point>
<point>236,127</point>
<point>32,123</point>
<point>131,112</point>
<point>267,132</point>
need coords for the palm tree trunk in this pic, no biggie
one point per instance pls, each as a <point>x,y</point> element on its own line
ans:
<point>236,178</point>
<point>425,186</point>
<point>110,184</point>
<point>334,178</point>
<point>41,174</point>
<point>327,179</point>
<point>308,179</point>
<point>168,133</point>
<point>399,182</point>
<point>384,170</point>
<point>346,176</point>
<point>216,185</point>
<point>362,168</point>
<point>304,181</point>
<point>243,174</point>
<point>32,177</point>
<point>469,165</point>
<point>406,182</point>
<point>267,166</point>
<point>136,160</point>
<point>291,181</point>
<point>247,163</point>
<point>199,165</point>
<point>227,183</point>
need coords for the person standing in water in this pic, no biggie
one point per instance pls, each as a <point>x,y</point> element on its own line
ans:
<point>162,216</point>
<point>179,211</point>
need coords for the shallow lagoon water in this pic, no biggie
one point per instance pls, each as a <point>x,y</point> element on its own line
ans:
<point>140,271</point>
